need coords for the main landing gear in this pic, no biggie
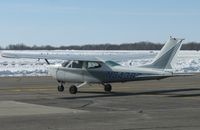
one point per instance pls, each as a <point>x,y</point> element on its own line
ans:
<point>107,88</point>
<point>73,89</point>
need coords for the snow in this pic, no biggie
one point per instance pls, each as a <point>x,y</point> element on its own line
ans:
<point>187,61</point>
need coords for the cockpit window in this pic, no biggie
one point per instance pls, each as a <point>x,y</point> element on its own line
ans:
<point>77,64</point>
<point>93,65</point>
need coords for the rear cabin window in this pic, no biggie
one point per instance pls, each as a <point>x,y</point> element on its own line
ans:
<point>93,65</point>
<point>112,63</point>
<point>72,64</point>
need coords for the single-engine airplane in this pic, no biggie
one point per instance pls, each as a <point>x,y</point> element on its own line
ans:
<point>96,71</point>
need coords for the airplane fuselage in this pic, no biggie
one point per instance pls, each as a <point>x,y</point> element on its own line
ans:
<point>105,75</point>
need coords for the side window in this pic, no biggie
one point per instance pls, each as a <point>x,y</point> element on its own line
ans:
<point>93,65</point>
<point>77,64</point>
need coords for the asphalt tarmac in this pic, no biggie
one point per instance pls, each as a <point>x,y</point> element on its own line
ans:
<point>33,103</point>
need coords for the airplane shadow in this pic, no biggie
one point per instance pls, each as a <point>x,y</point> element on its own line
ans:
<point>169,93</point>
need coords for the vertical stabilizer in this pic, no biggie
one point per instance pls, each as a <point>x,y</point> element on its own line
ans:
<point>165,57</point>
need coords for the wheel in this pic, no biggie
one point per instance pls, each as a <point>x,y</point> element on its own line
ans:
<point>61,88</point>
<point>73,89</point>
<point>107,88</point>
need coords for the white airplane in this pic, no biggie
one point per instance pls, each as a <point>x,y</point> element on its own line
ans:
<point>95,71</point>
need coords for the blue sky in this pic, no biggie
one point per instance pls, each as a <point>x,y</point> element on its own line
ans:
<point>77,22</point>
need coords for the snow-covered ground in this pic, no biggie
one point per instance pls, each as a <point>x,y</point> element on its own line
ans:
<point>187,61</point>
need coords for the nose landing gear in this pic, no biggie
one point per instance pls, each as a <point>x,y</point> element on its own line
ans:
<point>61,88</point>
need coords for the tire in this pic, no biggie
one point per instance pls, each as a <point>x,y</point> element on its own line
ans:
<point>61,88</point>
<point>107,88</point>
<point>73,89</point>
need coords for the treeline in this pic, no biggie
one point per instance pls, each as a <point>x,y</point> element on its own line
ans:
<point>124,46</point>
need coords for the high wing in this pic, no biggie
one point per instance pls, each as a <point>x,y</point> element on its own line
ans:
<point>47,56</point>
<point>77,55</point>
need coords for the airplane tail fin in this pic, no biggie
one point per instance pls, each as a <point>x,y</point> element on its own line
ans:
<point>165,57</point>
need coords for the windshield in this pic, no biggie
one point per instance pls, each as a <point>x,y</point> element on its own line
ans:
<point>64,64</point>
<point>72,64</point>
<point>77,64</point>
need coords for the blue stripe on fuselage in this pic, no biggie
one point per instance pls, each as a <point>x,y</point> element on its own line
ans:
<point>123,76</point>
